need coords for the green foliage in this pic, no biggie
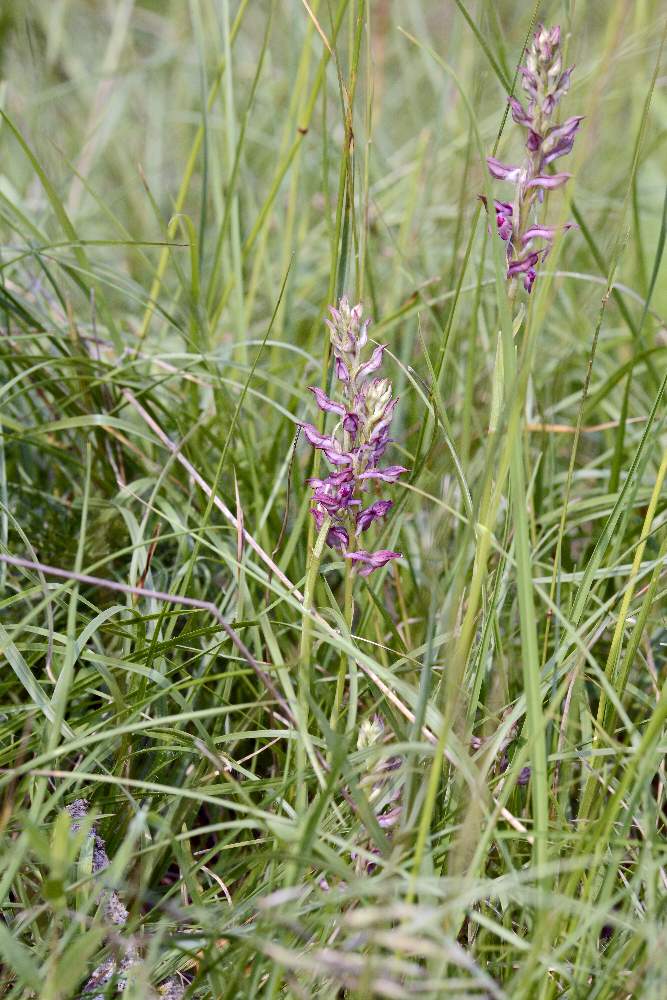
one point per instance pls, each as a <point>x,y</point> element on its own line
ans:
<point>183,189</point>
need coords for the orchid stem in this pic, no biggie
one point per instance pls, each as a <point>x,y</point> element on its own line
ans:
<point>305,653</point>
<point>348,615</point>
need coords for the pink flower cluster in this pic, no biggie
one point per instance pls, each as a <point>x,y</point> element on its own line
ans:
<point>545,82</point>
<point>364,408</point>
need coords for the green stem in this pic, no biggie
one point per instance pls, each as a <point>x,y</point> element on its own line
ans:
<point>348,614</point>
<point>527,617</point>
<point>304,660</point>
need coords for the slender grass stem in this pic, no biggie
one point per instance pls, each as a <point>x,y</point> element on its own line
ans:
<point>305,660</point>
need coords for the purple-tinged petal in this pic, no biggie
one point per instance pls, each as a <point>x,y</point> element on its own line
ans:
<point>373,362</point>
<point>328,445</point>
<point>341,371</point>
<point>379,449</point>
<point>534,141</point>
<point>335,501</point>
<point>351,424</point>
<point>318,517</point>
<point>548,104</point>
<point>324,403</point>
<point>376,510</point>
<point>333,479</point>
<point>336,457</point>
<point>555,69</point>
<point>372,560</point>
<point>505,227</point>
<point>332,504</point>
<point>388,819</point>
<point>385,420</point>
<point>549,181</point>
<point>528,81</point>
<point>504,207</point>
<point>529,278</point>
<point>314,437</point>
<point>337,537</point>
<point>388,475</point>
<point>567,129</point>
<point>563,84</point>
<point>538,233</point>
<point>522,264</point>
<point>504,212</point>
<point>561,148</point>
<point>545,232</point>
<point>501,171</point>
<point>560,139</point>
<point>519,114</point>
<point>344,478</point>
<point>378,446</point>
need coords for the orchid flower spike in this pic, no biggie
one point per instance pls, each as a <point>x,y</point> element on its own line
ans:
<point>544,82</point>
<point>364,407</point>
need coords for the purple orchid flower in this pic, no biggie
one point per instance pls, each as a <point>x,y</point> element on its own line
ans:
<point>324,403</point>
<point>337,537</point>
<point>376,510</point>
<point>351,424</point>
<point>534,141</point>
<point>550,181</point>
<point>529,279</point>
<point>333,479</point>
<point>373,363</point>
<point>314,437</point>
<point>501,171</point>
<point>504,212</point>
<point>372,560</point>
<point>341,371</point>
<point>545,83</point>
<point>358,442</point>
<point>389,475</point>
<point>336,456</point>
<point>522,264</point>
<point>544,233</point>
<point>538,233</point>
<point>519,114</point>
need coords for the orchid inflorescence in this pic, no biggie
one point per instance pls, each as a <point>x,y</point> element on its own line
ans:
<point>365,408</point>
<point>545,82</point>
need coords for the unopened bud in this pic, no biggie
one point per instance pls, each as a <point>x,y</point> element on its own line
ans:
<point>371,732</point>
<point>376,399</point>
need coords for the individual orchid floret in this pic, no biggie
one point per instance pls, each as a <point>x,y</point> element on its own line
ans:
<point>364,407</point>
<point>501,171</point>
<point>372,560</point>
<point>376,510</point>
<point>545,83</point>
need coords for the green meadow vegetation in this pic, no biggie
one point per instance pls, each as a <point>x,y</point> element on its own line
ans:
<point>232,765</point>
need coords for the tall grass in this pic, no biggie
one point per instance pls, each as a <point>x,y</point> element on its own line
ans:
<point>184,187</point>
